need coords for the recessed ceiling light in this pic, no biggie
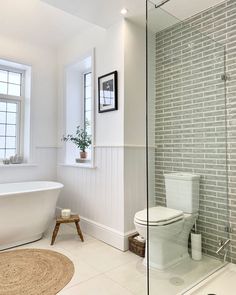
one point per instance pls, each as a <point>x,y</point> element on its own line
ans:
<point>124,11</point>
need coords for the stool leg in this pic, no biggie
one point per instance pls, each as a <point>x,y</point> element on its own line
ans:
<point>79,231</point>
<point>55,232</point>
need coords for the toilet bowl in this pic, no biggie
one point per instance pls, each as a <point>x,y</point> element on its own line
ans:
<point>169,227</point>
<point>168,235</point>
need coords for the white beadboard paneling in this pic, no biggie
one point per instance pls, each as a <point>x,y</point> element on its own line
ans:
<point>96,194</point>
<point>113,237</point>
<point>108,195</point>
<point>134,183</point>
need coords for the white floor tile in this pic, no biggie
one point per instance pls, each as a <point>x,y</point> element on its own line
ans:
<point>100,285</point>
<point>101,256</point>
<point>83,272</point>
<point>103,270</point>
<point>131,276</point>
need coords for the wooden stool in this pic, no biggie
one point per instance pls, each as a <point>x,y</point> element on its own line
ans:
<point>73,219</point>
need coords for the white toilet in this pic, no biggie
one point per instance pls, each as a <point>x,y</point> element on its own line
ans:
<point>169,227</point>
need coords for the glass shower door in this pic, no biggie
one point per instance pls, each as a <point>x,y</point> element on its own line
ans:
<point>187,135</point>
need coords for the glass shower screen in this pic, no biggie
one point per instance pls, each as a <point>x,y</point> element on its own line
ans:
<point>186,152</point>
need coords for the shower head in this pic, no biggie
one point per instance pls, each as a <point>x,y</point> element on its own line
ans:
<point>161,3</point>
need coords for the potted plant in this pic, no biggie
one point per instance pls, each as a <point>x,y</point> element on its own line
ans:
<point>81,139</point>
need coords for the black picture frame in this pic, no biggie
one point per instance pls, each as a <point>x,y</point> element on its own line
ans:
<point>108,92</point>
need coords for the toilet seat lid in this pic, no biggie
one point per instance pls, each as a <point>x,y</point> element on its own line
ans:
<point>159,215</point>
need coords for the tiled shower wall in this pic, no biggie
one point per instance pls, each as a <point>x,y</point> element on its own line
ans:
<point>190,114</point>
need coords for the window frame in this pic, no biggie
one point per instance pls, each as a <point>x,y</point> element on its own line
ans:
<point>19,100</point>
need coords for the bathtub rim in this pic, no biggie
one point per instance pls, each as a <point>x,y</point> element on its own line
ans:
<point>54,185</point>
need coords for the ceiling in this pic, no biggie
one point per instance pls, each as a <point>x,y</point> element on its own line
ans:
<point>36,22</point>
<point>39,23</point>
<point>183,9</point>
<point>104,13</point>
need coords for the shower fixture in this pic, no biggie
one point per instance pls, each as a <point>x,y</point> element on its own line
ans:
<point>222,247</point>
<point>162,3</point>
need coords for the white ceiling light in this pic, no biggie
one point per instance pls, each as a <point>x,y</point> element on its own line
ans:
<point>124,11</point>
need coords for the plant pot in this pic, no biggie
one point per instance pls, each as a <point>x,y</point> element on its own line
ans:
<point>83,155</point>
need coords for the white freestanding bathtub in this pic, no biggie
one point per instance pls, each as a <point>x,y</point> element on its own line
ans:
<point>26,210</point>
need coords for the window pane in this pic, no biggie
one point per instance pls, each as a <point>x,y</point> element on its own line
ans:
<point>3,88</point>
<point>14,78</point>
<point>88,116</point>
<point>11,130</point>
<point>2,117</point>
<point>2,130</point>
<point>87,101</point>
<point>10,142</point>
<point>89,131</point>
<point>88,79</point>
<point>11,107</point>
<point>10,84</point>
<point>3,106</point>
<point>10,152</point>
<point>2,154</point>
<point>2,142</point>
<point>3,76</point>
<point>87,92</point>
<point>88,105</point>
<point>14,89</point>
<point>11,118</point>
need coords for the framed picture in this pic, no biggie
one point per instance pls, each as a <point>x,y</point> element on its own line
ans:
<point>107,93</point>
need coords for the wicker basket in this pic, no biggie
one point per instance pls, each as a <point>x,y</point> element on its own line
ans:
<point>136,246</point>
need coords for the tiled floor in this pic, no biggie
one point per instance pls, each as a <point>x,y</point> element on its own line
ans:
<point>99,268</point>
<point>104,270</point>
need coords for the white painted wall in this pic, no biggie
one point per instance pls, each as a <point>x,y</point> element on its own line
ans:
<point>135,84</point>
<point>134,122</point>
<point>43,110</point>
<point>108,196</point>
<point>109,56</point>
<point>98,194</point>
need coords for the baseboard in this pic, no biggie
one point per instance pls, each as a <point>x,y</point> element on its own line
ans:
<point>104,233</point>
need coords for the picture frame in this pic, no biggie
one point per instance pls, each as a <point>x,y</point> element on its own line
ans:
<point>108,92</point>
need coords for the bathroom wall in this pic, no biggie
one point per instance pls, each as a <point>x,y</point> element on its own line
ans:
<point>97,193</point>
<point>43,111</point>
<point>134,121</point>
<point>108,195</point>
<point>190,127</point>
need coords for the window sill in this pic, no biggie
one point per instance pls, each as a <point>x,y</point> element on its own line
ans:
<point>79,165</point>
<point>18,165</point>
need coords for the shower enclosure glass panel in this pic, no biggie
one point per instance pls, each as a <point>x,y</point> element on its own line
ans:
<point>187,133</point>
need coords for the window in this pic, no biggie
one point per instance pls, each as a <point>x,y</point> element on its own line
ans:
<point>11,100</point>
<point>79,107</point>
<point>87,102</point>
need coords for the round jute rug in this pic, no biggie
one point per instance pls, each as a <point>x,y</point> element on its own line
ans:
<point>34,272</point>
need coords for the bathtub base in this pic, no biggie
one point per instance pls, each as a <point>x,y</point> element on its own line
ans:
<point>22,242</point>
<point>26,211</point>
